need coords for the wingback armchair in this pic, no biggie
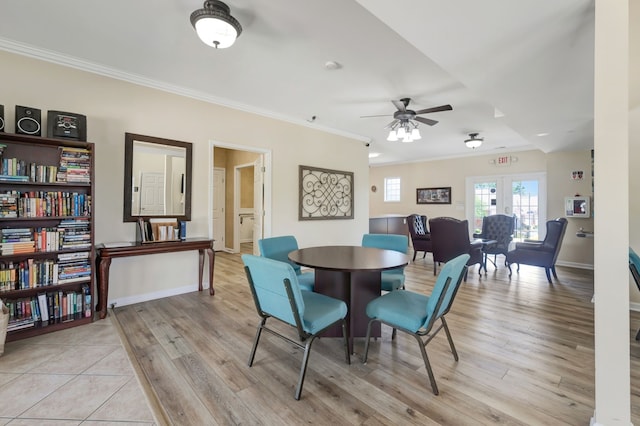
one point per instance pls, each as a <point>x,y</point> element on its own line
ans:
<point>420,235</point>
<point>450,239</point>
<point>541,253</point>
<point>498,227</point>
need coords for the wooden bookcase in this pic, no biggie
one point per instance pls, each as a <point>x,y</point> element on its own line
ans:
<point>52,273</point>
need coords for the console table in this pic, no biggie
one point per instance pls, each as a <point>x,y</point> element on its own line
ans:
<point>106,253</point>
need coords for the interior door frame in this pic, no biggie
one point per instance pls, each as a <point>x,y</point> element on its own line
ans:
<point>266,202</point>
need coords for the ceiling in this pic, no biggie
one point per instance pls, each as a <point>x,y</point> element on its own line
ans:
<point>512,70</point>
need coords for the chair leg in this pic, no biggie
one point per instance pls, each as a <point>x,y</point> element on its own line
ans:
<point>346,341</point>
<point>553,270</point>
<point>303,368</point>
<point>446,330</point>
<point>548,272</point>
<point>366,344</point>
<point>393,333</point>
<point>424,255</point>
<point>414,255</point>
<point>638,335</point>
<point>256,340</point>
<point>509,266</point>
<point>427,364</point>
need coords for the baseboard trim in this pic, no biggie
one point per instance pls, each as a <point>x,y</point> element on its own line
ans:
<point>574,265</point>
<point>124,301</point>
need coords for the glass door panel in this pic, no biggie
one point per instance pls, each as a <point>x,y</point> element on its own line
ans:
<point>521,195</point>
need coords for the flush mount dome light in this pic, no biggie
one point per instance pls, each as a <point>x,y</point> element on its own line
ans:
<point>474,141</point>
<point>214,24</point>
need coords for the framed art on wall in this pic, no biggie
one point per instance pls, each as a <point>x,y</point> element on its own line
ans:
<point>433,195</point>
<point>325,194</point>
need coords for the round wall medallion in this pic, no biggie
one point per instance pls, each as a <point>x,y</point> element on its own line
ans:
<point>373,188</point>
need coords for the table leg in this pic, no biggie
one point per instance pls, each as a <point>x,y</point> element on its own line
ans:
<point>212,259</point>
<point>103,286</point>
<point>356,289</point>
<point>200,268</point>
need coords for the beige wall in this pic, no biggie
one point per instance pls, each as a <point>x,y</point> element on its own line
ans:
<point>634,139</point>
<point>114,107</point>
<point>453,172</point>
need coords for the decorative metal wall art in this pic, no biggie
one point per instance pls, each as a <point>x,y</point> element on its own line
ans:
<point>325,194</point>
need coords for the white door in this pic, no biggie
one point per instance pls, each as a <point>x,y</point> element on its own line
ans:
<point>521,195</point>
<point>151,193</point>
<point>258,202</point>
<point>219,192</point>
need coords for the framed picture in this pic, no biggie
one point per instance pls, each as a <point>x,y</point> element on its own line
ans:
<point>433,195</point>
<point>325,194</point>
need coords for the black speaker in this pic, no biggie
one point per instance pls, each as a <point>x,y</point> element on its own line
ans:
<point>1,118</point>
<point>28,121</point>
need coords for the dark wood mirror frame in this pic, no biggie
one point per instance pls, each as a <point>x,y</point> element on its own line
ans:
<point>129,139</point>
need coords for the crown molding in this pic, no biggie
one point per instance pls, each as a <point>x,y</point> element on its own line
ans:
<point>23,49</point>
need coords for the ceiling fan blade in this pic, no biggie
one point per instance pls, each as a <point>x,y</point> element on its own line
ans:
<point>400,105</point>
<point>390,125</point>
<point>370,116</point>
<point>425,120</point>
<point>435,109</point>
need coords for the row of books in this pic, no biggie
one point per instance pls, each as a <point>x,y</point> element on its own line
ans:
<point>49,308</point>
<point>44,204</point>
<point>75,165</point>
<point>13,169</point>
<point>70,234</point>
<point>32,273</point>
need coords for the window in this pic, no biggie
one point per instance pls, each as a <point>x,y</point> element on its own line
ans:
<point>392,189</point>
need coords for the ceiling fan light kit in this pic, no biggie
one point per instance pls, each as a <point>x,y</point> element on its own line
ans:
<point>474,141</point>
<point>404,126</point>
<point>214,24</point>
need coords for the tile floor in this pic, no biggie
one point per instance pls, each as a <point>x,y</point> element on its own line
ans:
<point>78,376</point>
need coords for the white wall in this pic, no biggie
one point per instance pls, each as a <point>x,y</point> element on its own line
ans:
<point>114,107</point>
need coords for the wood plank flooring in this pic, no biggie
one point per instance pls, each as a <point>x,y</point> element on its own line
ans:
<point>525,347</point>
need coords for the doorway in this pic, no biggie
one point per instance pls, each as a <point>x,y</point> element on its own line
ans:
<point>237,159</point>
<point>523,196</point>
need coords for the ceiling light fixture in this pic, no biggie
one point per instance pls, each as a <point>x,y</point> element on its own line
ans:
<point>474,141</point>
<point>215,25</point>
<point>405,131</point>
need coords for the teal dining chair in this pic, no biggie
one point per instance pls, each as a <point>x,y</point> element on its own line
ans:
<point>416,314</point>
<point>634,267</point>
<point>392,279</point>
<point>277,294</point>
<point>278,248</point>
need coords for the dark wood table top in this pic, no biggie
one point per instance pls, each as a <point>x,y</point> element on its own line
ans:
<point>348,258</point>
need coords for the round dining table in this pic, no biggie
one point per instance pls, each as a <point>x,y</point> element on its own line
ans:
<point>352,274</point>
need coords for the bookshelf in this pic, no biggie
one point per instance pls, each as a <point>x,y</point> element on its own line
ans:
<point>47,247</point>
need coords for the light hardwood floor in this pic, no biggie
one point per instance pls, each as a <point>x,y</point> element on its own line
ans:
<point>525,347</point>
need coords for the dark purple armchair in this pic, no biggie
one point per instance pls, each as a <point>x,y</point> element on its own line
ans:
<point>420,235</point>
<point>450,239</point>
<point>541,253</point>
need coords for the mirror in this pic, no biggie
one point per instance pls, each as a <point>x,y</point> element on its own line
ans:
<point>157,178</point>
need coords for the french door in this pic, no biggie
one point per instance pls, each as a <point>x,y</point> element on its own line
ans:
<point>523,196</point>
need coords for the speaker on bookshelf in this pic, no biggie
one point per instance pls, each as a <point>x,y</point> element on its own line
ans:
<point>1,118</point>
<point>28,120</point>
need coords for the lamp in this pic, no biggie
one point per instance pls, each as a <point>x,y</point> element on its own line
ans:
<point>214,24</point>
<point>403,131</point>
<point>474,141</point>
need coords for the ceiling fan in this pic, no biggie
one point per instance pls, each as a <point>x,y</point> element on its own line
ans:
<point>405,114</point>
<point>404,126</point>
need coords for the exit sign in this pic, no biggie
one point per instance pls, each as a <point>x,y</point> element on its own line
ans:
<point>503,161</point>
